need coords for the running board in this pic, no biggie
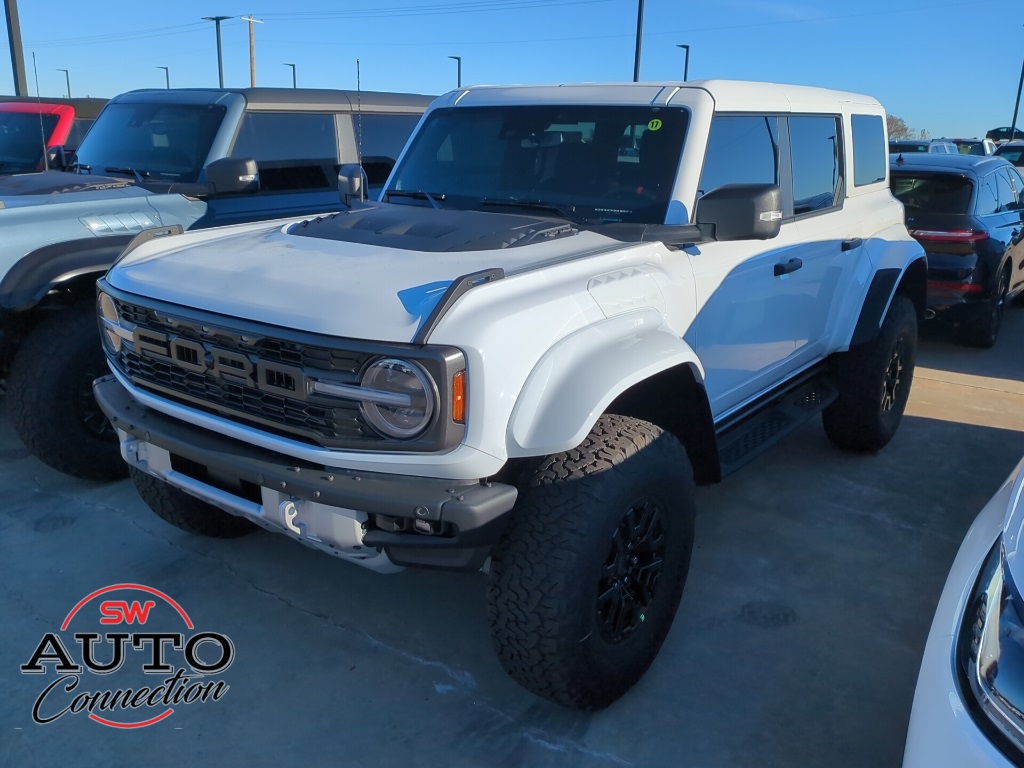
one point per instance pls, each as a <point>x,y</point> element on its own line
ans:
<point>742,441</point>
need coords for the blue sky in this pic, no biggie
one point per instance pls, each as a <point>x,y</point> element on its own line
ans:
<point>949,67</point>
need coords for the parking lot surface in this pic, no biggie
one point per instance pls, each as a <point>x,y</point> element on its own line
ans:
<point>813,582</point>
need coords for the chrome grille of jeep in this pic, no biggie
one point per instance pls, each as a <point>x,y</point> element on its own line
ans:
<point>336,423</point>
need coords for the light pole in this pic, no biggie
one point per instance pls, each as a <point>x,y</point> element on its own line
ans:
<point>167,75</point>
<point>294,82</point>
<point>252,48</point>
<point>1016,106</point>
<point>220,52</point>
<point>458,60</point>
<point>686,66</point>
<point>639,34</point>
<point>67,79</point>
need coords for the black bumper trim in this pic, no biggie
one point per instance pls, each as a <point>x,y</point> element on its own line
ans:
<point>473,507</point>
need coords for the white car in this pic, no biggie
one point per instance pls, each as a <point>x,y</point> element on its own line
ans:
<point>969,705</point>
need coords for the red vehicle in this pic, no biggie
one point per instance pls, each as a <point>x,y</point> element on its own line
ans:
<point>31,130</point>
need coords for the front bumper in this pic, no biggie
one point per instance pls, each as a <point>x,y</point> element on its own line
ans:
<point>355,515</point>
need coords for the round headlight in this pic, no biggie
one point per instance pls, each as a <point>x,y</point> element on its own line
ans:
<point>109,321</point>
<point>399,401</point>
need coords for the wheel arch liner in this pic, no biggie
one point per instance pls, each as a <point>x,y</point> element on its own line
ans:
<point>578,378</point>
<point>38,271</point>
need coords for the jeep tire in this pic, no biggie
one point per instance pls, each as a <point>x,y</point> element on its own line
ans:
<point>982,327</point>
<point>874,381</point>
<point>51,402</point>
<point>187,512</point>
<point>587,577</point>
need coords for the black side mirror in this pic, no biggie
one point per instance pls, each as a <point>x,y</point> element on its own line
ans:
<point>232,176</point>
<point>56,159</point>
<point>742,211</point>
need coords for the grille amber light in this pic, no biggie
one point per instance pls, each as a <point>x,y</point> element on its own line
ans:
<point>459,397</point>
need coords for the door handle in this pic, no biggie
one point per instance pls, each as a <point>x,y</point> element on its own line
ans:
<point>785,267</point>
<point>853,242</point>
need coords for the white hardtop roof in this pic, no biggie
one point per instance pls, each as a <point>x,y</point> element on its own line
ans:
<point>728,95</point>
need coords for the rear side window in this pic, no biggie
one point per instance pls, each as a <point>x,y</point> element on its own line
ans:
<point>380,139</point>
<point>936,193</point>
<point>814,143</point>
<point>293,150</point>
<point>741,150</point>
<point>869,160</point>
<point>1005,192</point>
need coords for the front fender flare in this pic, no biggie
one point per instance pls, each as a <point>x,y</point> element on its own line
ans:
<point>574,382</point>
<point>32,276</point>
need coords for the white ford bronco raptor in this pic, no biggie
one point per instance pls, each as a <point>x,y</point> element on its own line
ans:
<point>569,305</point>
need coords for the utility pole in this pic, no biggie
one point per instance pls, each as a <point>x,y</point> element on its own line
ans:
<point>686,66</point>
<point>458,60</point>
<point>1016,106</point>
<point>252,48</point>
<point>17,53</point>
<point>167,74</point>
<point>294,81</point>
<point>220,52</point>
<point>639,35</point>
<point>67,79</point>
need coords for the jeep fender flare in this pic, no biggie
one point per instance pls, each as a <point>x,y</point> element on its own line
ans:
<point>579,377</point>
<point>903,269</point>
<point>38,271</point>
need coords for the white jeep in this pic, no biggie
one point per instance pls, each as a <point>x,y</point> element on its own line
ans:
<point>570,304</point>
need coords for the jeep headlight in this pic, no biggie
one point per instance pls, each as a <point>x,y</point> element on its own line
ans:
<point>111,332</point>
<point>990,648</point>
<point>399,398</point>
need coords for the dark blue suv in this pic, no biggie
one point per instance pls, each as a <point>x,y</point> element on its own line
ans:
<point>968,213</point>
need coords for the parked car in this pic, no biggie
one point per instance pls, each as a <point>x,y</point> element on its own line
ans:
<point>171,159</point>
<point>1012,151</point>
<point>967,213</point>
<point>36,134</point>
<point>975,146</point>
<point>937,146</point>
<point>969,700</point>
<point>1005,133</point>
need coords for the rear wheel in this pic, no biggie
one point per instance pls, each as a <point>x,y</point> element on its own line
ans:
<point>51,401</point>
<point>874,383</point>
<point>587,578</point>
<point>982,330</point>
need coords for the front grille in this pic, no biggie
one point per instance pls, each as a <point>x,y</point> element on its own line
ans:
<point>327,422</point>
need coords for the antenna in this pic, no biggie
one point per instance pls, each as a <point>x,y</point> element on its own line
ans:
<point>359,130</point>
<point>42,129</point>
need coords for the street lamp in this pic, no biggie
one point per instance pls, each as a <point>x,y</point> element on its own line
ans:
<point>294,82</point>
<point>639,35</point>
<point>220,53</point>
<point>458,59</point>
<point>686,66</point>
<point>67,79</point>
<point>1016,106</point>
<point>167,74</point>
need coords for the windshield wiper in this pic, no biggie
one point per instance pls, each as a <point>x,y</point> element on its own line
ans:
<point>418,194</point>
<point>536,205</point>
<point>128,172</point>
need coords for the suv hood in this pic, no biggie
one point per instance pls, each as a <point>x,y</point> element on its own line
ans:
<point>35,188</point>
<point>372,273</point>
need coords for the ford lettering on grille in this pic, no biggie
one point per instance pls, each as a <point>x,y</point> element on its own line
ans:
<point>199,357</point>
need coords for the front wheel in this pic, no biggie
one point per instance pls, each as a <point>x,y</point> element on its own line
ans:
<point>874,381</point>
<point>587,577</point>
<point>51,402</point>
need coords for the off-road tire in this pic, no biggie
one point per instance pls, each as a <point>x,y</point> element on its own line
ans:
<point>874,382</point>
<point>187,512</point>
<point>982,328</point>
<point>50,397</point>
<point>560,572</point>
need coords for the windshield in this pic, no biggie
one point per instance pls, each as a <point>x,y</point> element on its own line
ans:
<point>586,163</point>
<point>164,142</point>
<point>23,136</point>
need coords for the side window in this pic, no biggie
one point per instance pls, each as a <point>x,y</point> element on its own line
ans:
<point>1005,192</point>
<point>815,143</point>
<point>988,198</point>
<point>380,139</point>
<point>869,155</point>
<point>741,150</point>
<point>292,150</point>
